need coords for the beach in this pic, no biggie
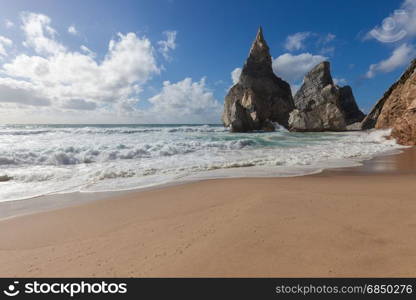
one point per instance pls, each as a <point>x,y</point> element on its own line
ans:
<point>349,222</point>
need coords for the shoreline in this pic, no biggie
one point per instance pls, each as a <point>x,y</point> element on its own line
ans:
<point>403,162</point>
<point>53,201</point>
<point>339,223</point>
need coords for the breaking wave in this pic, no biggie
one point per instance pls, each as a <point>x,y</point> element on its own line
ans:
<point>47,159</point>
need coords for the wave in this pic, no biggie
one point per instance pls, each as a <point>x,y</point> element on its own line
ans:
<point>65,159</point>
<point>23,132</point>
<point>72,155</point>
<point>108,131</point>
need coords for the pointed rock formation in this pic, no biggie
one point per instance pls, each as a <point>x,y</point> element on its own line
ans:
<point>321,105</point>
<point>397,109</point>
<point>317,103</point>
<point>260,97</point>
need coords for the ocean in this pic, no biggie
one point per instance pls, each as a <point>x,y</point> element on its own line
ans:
<point>48,159</point>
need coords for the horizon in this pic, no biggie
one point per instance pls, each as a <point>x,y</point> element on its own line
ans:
<point>113,124</point>
<point>155,63</point>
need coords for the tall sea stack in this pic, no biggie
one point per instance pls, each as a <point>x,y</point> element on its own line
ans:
<point>259,97</point>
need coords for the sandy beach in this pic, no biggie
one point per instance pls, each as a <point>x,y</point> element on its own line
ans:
<point>350,222</point>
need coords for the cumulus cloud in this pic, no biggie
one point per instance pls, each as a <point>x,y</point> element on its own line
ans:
<point>57,84</point>
<point>293,67</point>
<point>4,43</point>
<point>187,101</point>
<point>64,76</point>
<point>235,75</point>
<point>399,25</point>
<point>401,56</point>
<point>169,44</point>
<point>296,41</point>
<point>39,34</point>
<point>72,30</point>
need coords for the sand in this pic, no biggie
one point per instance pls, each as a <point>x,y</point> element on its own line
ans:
<point>350,222</point>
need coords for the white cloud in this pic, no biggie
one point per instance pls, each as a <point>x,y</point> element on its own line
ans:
<point>8,23</point>
<point>128,64</point>
<point>39,34</point>
<point>399,25</point>
<point>292,68</point>
<point>296,41</point>
<point>401,56</point>
<point>74,80</point>
<point>169,44</point>
<point>235,75</point>
<point>72,30</point>
<point>185,101</point>
<point>60,85</point>
<point>4,43</point>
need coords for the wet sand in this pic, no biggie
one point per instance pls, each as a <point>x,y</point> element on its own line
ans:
<point>346,222</point>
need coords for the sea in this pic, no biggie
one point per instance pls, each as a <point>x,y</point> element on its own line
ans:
<point>38,160</point>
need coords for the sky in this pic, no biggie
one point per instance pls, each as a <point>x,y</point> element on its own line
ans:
<point>173,61</point>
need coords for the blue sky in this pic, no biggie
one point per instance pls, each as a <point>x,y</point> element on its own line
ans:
<point>171,60</point>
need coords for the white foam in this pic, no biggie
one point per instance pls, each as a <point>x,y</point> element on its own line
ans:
<point>65,159</point>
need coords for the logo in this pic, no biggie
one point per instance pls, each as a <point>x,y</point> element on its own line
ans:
<point>11,289</point>
<point>68,288</point>
<point>392,28</point>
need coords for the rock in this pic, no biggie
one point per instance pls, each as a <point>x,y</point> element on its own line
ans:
<point>317,103</point>
<point>321,105</point>
<point>349,107</point>
<point>260,97</point>
<point>397,109</point>
<point>4,178</point>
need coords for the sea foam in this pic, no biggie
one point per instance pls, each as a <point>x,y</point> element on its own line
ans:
<point>54,159</point>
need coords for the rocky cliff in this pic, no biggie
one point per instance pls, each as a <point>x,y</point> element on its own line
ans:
<point>323,106</point>
<point>260,97</point>
<point>397,109</point>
